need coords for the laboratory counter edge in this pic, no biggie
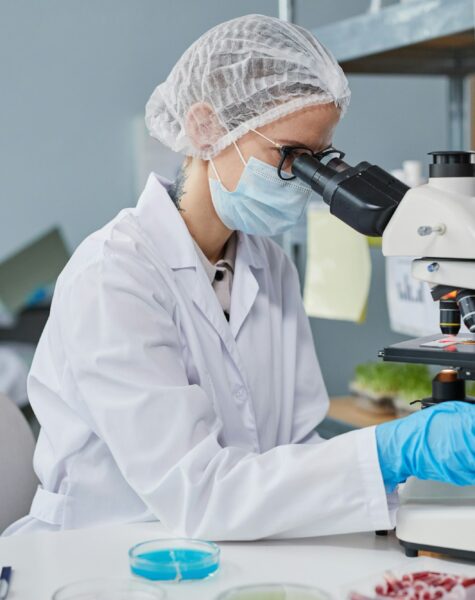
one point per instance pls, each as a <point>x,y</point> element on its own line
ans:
<point>43,562</point>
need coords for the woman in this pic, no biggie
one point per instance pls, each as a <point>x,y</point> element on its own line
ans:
<point>177,378</point>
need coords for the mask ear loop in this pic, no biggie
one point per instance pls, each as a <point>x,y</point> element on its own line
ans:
<point>240,154</point>
<point>214,166</point>
<point>215,171</point>
<point>238,150</point>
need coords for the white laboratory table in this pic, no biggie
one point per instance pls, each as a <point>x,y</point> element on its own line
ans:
<point>42,562</point>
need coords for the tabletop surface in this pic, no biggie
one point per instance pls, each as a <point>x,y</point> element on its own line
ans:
<point>42,562</point>
<point>351,411</point>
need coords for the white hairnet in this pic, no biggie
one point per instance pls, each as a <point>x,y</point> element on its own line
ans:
<point>249,71</point>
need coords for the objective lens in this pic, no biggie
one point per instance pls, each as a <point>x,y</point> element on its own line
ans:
<point>449,317</point>
<point>466,304</point>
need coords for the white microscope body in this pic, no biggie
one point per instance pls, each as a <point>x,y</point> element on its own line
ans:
<point>435,222</point>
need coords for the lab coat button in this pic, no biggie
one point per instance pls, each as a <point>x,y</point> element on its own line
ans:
<point>240,394</point>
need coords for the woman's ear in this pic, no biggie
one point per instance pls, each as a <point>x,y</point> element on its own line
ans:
<point>202,126</point>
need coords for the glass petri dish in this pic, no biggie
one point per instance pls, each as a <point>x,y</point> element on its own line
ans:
<point>109,589</point>
<point>274,591</point>
<point>174,559</point>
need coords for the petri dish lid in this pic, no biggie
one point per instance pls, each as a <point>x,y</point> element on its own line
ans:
<point>274,591</point>
<point>174,559</point>
<point>109,589</point>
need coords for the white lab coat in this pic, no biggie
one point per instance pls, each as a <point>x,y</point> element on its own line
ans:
<point>153,406</point>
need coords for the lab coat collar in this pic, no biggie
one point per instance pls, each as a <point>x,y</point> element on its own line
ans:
<point>161,221</point>
<point>163,225</point>
<point>166,229</point>
<point>245,285</point>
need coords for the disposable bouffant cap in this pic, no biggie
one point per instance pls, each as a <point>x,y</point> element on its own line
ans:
<point>242,74</point>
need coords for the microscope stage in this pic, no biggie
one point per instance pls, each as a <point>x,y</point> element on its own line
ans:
<point>453,351</point>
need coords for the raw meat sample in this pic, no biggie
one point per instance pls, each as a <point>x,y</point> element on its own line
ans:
<point>425,585</point>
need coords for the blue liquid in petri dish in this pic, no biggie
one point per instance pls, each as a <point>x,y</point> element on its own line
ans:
<point>174,564</point>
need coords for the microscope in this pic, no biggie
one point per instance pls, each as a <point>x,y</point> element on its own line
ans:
<point>435,224</point>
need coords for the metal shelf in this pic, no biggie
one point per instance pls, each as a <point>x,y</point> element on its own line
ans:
<point>434,37</point>
<point>424,37</point>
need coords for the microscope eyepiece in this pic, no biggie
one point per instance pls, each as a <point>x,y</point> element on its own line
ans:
<point>313,172</point>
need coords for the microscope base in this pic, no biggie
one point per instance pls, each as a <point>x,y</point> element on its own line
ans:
<point>437,517</point>
<point>412,551</point>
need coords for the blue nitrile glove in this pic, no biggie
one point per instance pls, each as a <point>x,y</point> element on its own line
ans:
<point>436,443</point>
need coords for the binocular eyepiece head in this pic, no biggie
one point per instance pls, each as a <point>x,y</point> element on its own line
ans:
<point>364,197</point>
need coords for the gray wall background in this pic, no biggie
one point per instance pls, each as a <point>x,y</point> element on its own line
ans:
<point>74,74</point>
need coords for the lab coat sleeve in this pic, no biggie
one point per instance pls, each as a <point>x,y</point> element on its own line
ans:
<point>125,357</point>
<point>311,400</point>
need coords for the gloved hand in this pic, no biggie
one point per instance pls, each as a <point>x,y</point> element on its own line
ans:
<point>436,443</point>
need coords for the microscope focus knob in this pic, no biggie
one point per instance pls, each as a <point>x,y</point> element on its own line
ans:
<point>424,230</point>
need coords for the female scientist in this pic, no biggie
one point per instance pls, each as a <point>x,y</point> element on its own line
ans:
<point>176,378</point>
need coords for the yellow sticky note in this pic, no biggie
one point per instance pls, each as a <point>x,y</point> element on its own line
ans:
<point>375,242</point>
<point>338,274</point>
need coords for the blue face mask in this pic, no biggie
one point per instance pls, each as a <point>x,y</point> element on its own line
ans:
<point>262,203</point>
